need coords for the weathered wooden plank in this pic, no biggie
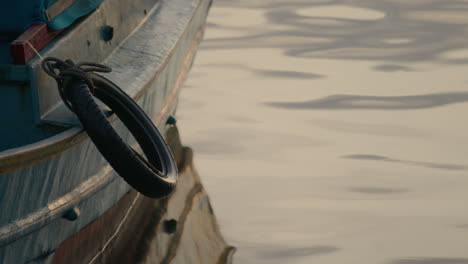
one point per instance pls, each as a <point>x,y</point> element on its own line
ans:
<point>35,38</point>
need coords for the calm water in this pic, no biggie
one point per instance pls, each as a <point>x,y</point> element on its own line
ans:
<point>333,131</point>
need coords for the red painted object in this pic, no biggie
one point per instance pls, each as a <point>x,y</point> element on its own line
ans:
<point>36,37</point>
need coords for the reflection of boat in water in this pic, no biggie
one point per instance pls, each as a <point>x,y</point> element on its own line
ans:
<point>59,199</point>
<point>179,229</point>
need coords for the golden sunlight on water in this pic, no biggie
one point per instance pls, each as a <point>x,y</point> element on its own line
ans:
<point>330,131</point>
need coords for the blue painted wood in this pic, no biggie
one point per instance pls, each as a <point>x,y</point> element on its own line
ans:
<point>149,65</point>
<point>78,9</point>
<point>14,73</point>
<point>20,107</point>
<point>18,15</point>
<point>37,91</point>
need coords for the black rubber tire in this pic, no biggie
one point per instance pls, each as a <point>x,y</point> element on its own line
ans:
<point>154,178</point>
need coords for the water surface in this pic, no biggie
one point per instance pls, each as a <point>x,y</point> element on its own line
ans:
<point>333,131</point>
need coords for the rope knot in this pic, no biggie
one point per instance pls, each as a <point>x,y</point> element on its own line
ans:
<point>66,71</point>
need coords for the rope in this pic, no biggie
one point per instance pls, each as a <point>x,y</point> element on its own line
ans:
<point>64,71</point>
<point>117,230</point>
<point>35,50</point>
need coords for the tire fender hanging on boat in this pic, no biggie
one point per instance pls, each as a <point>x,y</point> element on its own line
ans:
<point>78,84</point>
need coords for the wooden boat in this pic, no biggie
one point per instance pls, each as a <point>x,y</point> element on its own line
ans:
<point>181,228</point>
<point>60,201</point>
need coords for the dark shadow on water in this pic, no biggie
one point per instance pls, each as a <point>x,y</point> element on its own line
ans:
<point>243,120</point>
<point>425,36</point>
<point>269,73</point>
<point>215,147</point>
<point>208,24</point>
<point>289,74</point>
<point>431,261</point>
<point>432,165</point>
<point>296,252</point>
<point>378,190</point>
<point>380,129</point>
<point>246,143</point>
<point>392,68</point>
<point>354,102</point>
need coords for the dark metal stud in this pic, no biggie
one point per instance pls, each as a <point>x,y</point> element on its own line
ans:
<point>72,214</point>
<point>170,226</point>
<point>107,33</point>
<point>171,120</point>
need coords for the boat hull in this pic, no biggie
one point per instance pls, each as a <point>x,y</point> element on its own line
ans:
<point>42,182</point>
